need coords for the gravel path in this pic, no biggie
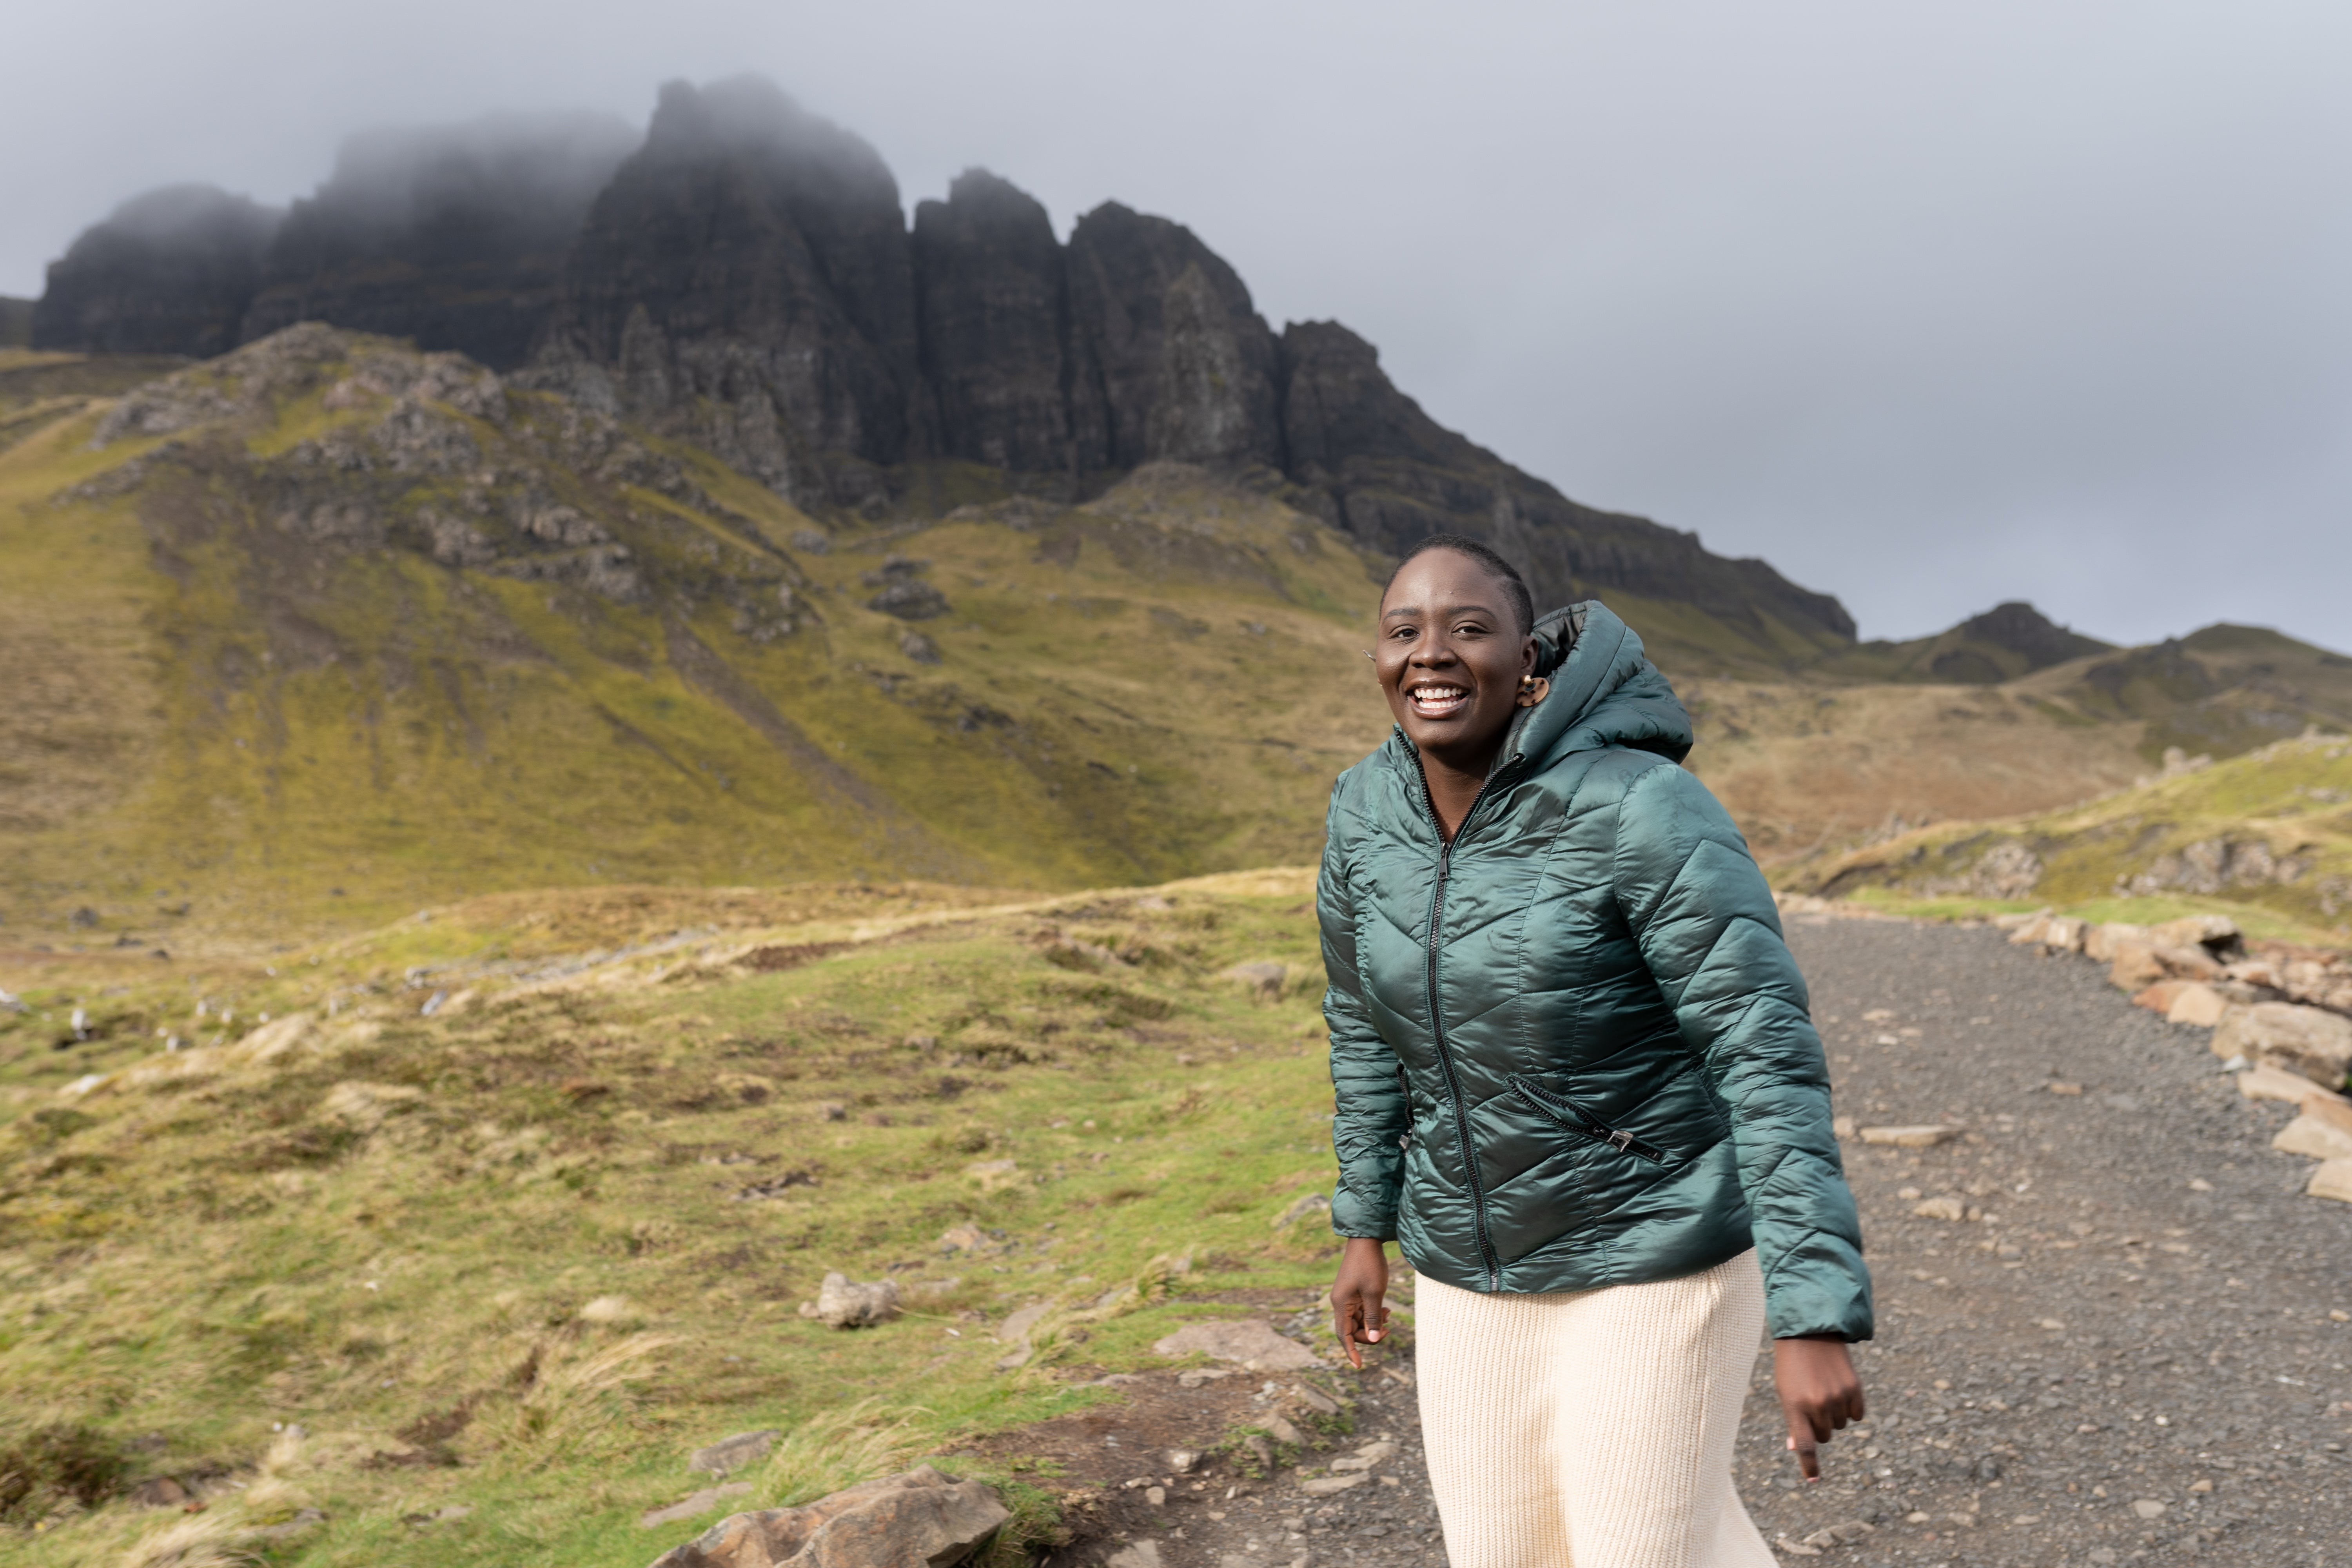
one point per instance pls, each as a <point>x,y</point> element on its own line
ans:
<point>2135,1354</point>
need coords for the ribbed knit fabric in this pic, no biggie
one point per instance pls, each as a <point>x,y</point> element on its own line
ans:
<point>1590,1429</point>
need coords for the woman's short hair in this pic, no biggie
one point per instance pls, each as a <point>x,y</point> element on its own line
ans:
<point>1485,556</point>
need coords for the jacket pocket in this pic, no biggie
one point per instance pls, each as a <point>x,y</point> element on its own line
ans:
<point>1569,1117</point>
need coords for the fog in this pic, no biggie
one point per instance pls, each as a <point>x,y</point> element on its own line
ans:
<point>384,176</point>
<point>1930,305</point>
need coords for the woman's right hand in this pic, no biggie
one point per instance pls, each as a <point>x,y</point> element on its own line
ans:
<point>1358,1313</point>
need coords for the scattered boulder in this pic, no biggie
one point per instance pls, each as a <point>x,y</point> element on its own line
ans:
<point>2216,934</point>
<point>2134,966</point>
<point>2100,943</point>
<point>1916,1137</point>
<point>2311,1041</point>
<point>1249,1341</point>
<point>2186,961</point>
<point>921,1516</point>
<point>1326,1486</point>
<point>2196,1003</point>
<point>2315,1136</point>
<point>1949,1208</point>
<point>1016,1329</point>
<point>2271,1083</point>
<point>691,1507</point>
<point>1314,1399</point>
<point>842,1303</point>
<point>2062,934</point>
<point>733,1453</point>
<point>2332,1179</point>
<point>1263,976</point>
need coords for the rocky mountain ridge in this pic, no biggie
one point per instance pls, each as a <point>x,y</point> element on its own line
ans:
<point>747,278</point>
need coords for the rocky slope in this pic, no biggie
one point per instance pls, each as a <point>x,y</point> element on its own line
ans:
<point>2270,829</point>
<point>747,279</point>
<point>327,625</point>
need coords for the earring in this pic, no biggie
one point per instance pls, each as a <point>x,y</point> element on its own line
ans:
<point>1533,689</point>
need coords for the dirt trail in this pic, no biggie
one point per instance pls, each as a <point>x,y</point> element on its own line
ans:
<point>2130,1358</point>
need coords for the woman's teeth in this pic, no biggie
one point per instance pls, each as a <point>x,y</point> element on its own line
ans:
<point>1434,700</point>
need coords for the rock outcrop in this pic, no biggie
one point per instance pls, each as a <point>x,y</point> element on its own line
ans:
<point>169,273</point>
<point>1375,464</point>
<point>992,297</point>
<point>1177,356</point>
<point>747,279</point>
<point>921,1516</point>
<point>451,235</point>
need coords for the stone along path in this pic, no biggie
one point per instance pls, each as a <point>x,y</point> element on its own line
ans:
<point>2135,1352</point>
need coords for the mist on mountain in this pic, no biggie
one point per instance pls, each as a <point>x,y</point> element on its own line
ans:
<point>170,271</point>
<point>746,278</point>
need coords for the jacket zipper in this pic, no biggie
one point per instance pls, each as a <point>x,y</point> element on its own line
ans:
<point>1437,1022</point>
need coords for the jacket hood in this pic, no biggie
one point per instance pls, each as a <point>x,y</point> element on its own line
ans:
<point>1604,691</point>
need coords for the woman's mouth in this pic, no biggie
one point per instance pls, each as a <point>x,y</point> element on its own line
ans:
<point>1431,700</point>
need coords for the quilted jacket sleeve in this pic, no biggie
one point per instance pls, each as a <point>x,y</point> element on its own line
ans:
<point>1371,1115</point>
<point>1709,929</point>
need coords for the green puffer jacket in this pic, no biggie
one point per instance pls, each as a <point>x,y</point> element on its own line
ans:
<point>1572,1049</point>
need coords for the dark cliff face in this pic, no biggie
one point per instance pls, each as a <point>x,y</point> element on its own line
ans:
<point>1177,356</point>
<point>746,279</point>
<point>751,260</point>
<point>452,236</point>
<point>993,299</point>
<point>169,273</point>
<point>1373,463</point>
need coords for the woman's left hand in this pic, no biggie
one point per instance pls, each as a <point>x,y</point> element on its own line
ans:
<point>1818,1394</point>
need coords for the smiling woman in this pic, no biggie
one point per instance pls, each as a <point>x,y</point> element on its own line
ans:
<point>1577,1083</point>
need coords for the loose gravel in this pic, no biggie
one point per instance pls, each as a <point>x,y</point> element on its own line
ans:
<point>2135,1353</point>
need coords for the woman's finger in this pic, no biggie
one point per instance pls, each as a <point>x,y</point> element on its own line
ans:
<point>1808,1459</point>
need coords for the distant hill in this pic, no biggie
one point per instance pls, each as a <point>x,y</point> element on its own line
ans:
<point>747,279</point>
<point>2272,828</point>
<point>2007,641</point>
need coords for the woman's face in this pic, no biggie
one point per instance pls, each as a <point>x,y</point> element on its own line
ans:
<point>1451,655</point>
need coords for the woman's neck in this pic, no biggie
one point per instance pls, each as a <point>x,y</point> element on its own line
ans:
<point>1453,780</point>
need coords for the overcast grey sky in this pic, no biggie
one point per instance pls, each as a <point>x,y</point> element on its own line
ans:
<point>1930,304</point>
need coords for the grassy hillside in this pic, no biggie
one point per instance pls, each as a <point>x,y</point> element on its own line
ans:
<point>2270,832</point>
<point>525,1253</point>
<point>326,629</point>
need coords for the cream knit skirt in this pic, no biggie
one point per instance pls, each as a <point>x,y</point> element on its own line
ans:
<point>1590,1429</point>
